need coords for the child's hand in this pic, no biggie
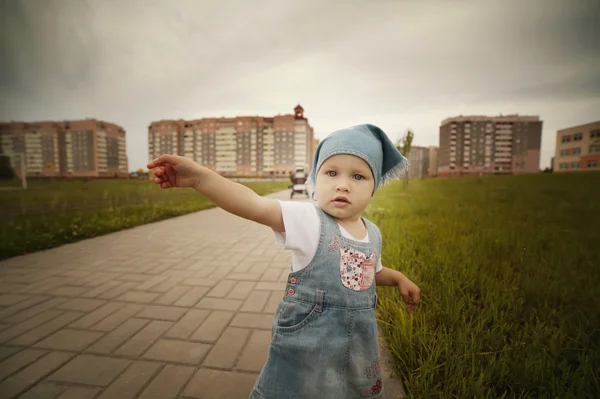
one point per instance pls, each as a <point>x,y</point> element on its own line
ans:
<point>410,293</point>
<point>174,171</point>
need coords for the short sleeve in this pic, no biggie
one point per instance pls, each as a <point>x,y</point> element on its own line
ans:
<point>301,235</point>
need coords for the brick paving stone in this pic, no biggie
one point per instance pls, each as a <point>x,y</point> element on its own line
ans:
<point>68,291</point>
<point>84,305</point>
<point>98,279</point>
<point>244,276</point>
<point>259,268</point>
<point>42,331</point>
<point>273,302</point>
<point>93,293</point>
<point>243,267</point>
<point>199,282</point>
<point>192,297</point>
<point>213,326</point>
<point>168,383</point>
<point>241,290</point>
<point>256,351</point>
<point>69,340</point>
<point>251,320</point>
<point>18,361</point>
<point>131,382</point>
<point>271,275</point>
<point>227,348</point>
<point>219,304</point>
<point>117,291</point>
<point>151,282</point>
<point>43,391</point>
<point>256,301</point>
<point>133,277</point>
<point>138,297</point>
<point>221,289</point>
<point>188,324</point>
<point>116,337</point>
<point>216,384</point>
<point>220,272</point>
<point>78,393</point>
<point>33,373</point>
<point>166,285</point>
<point>90,370</point>
<point>10,310</point>
<point>117,318</point>
<point>157,312</point>
<point>177,351</point>
<point>7,351</point>
<point>12,299</point>
<point>173,295</point>
<point>18,329</point>
<point>270,286</point>
<point>32,311</point>
<point>94,317</point>
<point>143,339</point>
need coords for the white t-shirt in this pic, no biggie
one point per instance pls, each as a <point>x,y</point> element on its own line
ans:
<point>301,235</point>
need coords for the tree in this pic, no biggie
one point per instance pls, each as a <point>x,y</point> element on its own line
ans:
<point>404,146</point>
<point>6,170</point>
<point>140,172</point>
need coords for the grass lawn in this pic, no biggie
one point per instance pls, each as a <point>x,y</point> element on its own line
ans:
<point>509,268</point>
<point>52,213</point>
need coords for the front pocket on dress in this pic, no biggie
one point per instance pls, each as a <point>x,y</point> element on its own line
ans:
<point>357,271</point>
<point>295,315</point>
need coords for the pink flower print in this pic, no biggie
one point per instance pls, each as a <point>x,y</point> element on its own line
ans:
<point>334,244</point>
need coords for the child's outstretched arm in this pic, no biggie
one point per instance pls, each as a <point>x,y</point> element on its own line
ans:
<point>410,293</point>
<point>176,171</point>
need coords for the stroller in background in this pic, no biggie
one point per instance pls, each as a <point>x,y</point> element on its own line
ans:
<point>298,186</point>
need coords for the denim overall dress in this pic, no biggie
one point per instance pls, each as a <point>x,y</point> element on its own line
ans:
<point>324,334</point>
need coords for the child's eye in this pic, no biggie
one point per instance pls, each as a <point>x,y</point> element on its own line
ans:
<point>358,177</point>
<point>331,173</point>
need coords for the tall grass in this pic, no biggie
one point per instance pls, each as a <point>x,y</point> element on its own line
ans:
<point>49,214</point>
<point>509,269</point>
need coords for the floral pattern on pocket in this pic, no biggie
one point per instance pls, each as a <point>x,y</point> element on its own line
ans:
<point>357,270</point>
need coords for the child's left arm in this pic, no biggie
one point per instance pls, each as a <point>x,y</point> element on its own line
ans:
<point>410,293</point>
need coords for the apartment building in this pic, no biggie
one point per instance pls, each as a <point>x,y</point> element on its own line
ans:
<point>78,148</point>
<point>578,148</point>
<point>422,162</point>
<point>476,145</point>
<point>252,146</point>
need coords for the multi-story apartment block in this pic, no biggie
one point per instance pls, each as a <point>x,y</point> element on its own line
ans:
<point>433,161</point>
<point>422,162</point>
<point>489,145</point>
<point>79,148</point>
<point>241,146</point>
<point>578,148</point>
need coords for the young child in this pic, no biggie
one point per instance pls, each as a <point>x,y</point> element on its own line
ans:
<point>324,335</point>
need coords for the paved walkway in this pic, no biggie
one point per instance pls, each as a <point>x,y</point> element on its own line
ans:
<point>180,308</point>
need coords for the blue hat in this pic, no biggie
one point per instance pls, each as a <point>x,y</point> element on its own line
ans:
<point>367,142</point>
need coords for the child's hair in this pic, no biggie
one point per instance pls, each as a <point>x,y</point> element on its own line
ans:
<point>364,141</point>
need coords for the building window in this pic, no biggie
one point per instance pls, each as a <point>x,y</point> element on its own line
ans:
<point>575,165</point>
<point>592,164</point>
<point>578,136</point>
<point>577,151</point>
<point>565,139</point>
<point>595,134</point>
<point>594,149</point>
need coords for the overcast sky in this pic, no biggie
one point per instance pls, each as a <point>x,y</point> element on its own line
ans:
<point>397,64</point>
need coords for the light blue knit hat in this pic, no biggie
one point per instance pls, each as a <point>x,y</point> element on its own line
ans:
<point>364,141</point>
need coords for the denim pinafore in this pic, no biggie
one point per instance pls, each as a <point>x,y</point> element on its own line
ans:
<point>324,334</point>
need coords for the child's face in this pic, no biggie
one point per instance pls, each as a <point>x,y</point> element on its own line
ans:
<point>346,176</point>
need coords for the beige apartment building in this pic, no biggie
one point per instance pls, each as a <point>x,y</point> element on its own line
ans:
<point>578,148</point>
<point>78,148</point>
<point>422,162</point>
<point>243,146</point>
<point>476,145</point>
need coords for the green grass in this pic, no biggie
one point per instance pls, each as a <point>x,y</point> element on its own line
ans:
<point>509,269</point>
<point>53,213</point>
